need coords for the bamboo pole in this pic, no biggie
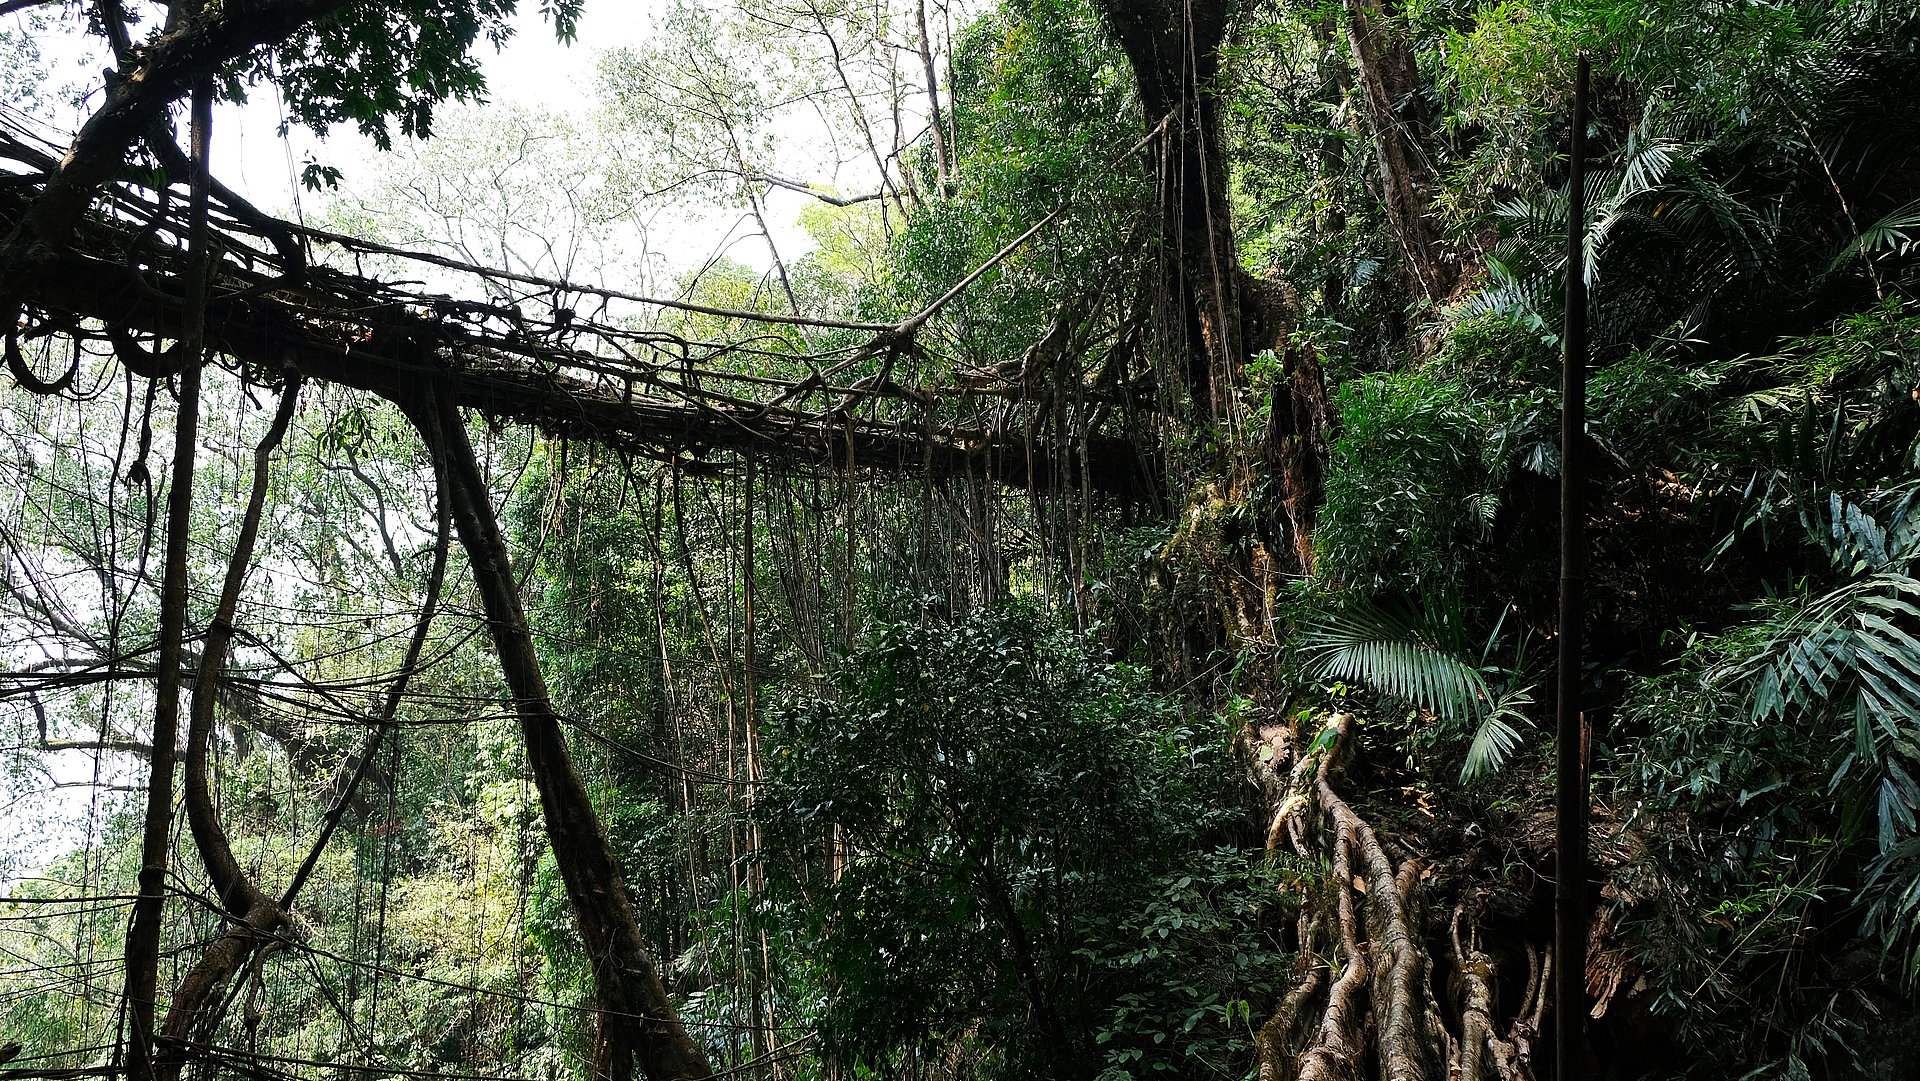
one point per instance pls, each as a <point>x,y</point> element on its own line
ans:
<point>1570,779</point>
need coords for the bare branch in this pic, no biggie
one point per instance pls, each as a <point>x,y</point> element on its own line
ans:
<point>809,189</point>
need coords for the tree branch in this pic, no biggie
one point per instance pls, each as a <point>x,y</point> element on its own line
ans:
<point>182,57</point>
<point>810,190</point>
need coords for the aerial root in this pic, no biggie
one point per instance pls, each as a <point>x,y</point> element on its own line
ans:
<point>1278,1035</point>
<point>1362,1002</point>
<point>1375,969</point>
<point>1334,1051</point>
<point>1483,1051</point>
<point>1476,1013</point>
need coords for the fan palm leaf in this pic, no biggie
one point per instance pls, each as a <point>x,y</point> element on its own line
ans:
<point>1417,654</point>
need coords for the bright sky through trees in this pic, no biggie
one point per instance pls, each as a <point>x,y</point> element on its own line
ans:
<point>534,71</point>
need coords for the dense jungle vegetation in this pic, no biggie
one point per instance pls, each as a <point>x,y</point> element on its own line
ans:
<point>1078,604</point>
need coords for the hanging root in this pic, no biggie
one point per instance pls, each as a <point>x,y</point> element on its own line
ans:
<point>1362,1003</point>
<point>1483,1052</point>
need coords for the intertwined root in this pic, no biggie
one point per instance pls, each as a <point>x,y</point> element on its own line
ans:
<point>1482,1050</point>
<point>1363,993</point>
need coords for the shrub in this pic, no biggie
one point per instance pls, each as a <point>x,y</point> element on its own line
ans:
<point>1018,837</point>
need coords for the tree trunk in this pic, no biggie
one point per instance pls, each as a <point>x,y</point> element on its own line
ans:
<point>1389,79</point>
<point>1298,426</point>
<point>143,936</point>
<point>1174,49</point>
<point>942,165</point>
<point>637,1021</point>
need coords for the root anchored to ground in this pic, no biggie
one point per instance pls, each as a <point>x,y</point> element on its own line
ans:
<point>1362,1002</point>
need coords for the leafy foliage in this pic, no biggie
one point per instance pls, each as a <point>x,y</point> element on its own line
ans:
<point>1417,654</point>
<point>1735,144</point>
<point>373,64</point>
<point>1850,655</point>
<point>978,849</point>
<point>1410,653</point>
<point>1402,483</point>
<point>1009,821</point>
<point>1042,102</point>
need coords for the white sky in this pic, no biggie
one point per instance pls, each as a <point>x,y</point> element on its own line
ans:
<point>534,70</point>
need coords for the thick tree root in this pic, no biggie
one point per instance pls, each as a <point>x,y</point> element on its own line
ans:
<point>637,1021</point>
<point>1482,1050</point>
<point>1362,1003</point>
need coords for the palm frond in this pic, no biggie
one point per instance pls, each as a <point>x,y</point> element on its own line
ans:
<point>1852,650</point>
<point>1646,164</point>
<point>1898,231</point>
<point>1497,737</point>
<point>1892,892</point>
<point>1413,654</point>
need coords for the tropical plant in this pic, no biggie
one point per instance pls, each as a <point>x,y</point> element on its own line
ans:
<point>1663,238</point>
<point>1417,653</point>
<point>1403,485</point>
<point>1851,654</point>
<point>1020,858</point>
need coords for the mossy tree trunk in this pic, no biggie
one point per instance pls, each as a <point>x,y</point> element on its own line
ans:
<point>1389,81</point>
<point>1223,314</point>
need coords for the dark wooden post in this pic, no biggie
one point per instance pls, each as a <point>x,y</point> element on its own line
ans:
<point>1570,778</point>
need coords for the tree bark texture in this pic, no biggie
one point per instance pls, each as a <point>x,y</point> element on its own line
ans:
<point>1362,1003</point>
<point>1389,80</point>
<point>1227,313</point>
<point>637,1021</point>
<point>1380,981</point>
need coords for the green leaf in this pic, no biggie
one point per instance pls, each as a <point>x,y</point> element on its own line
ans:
<point>1497,738</point>
<point>1414,655</point>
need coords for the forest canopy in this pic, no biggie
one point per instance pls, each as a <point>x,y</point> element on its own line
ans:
<point>958,541</point>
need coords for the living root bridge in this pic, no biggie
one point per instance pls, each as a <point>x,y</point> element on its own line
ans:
<point>638,391</point>
<point>363,333</point>
<point>1362,1004</point>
